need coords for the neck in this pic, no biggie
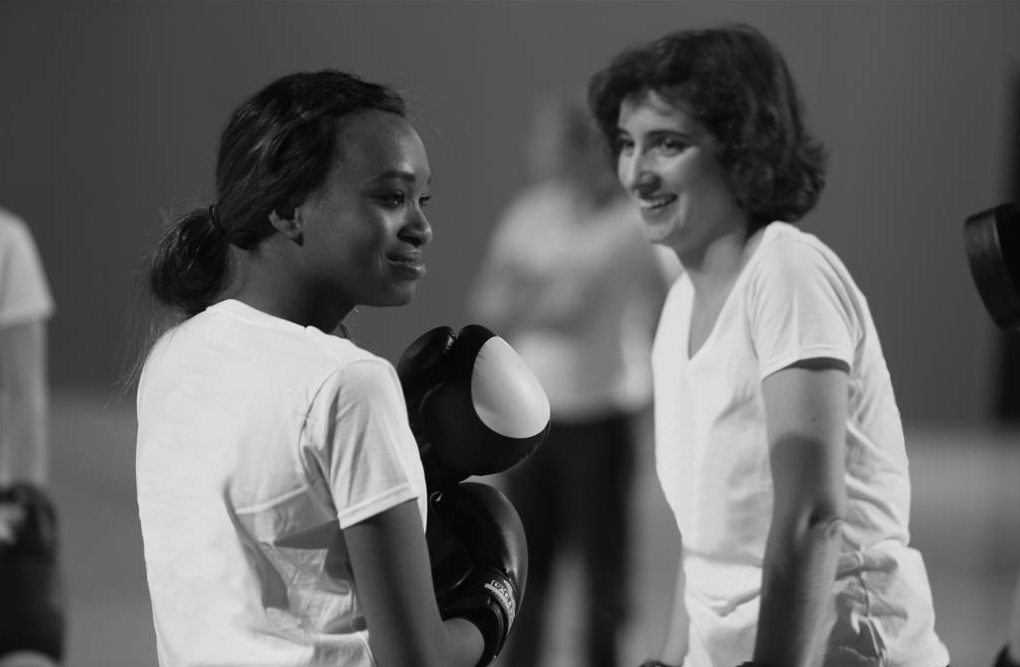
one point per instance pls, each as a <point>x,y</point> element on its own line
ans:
<point>271,284</point>
<point>716,265</point>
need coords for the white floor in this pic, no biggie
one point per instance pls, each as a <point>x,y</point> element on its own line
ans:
<point>965,519</point>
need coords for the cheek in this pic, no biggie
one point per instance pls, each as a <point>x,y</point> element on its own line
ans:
<point>364,232</point>
<point>700,177</point>
<point>622,168</point>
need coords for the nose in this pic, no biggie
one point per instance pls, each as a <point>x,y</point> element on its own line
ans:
<point>635,173</point>
<point>417,231</point>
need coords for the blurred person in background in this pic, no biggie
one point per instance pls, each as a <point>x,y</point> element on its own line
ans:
<point>31,590</point>
<point>571,282</point>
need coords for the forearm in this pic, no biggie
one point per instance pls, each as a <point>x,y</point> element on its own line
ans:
<point>464,643</point>
<point>674,646</point>
<point>24,454</point>
<point>24,436</point>
<point>799,570</point>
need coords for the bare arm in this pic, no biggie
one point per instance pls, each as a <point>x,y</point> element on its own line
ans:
<point>390,562</point>
<point>674,647</point>
<point>805,406</point>
<point>24,437</point>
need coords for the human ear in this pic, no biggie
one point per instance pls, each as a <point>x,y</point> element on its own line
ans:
<point>288,222</point>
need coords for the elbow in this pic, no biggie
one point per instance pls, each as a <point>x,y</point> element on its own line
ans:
<point>794,544</point>
<point>827,514</point>
<point>816,523</point>
<point>826,526</point>
<point>819,525</point>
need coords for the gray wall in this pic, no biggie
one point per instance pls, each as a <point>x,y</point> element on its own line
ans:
<point>109,114</point>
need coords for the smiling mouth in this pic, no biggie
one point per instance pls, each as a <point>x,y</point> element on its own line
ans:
<point>409,265</point>
<point>655,203</point>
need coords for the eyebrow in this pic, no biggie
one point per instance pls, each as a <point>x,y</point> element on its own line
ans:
<point>656,133</point>
<point>400,175</point>
<point>673,133</point>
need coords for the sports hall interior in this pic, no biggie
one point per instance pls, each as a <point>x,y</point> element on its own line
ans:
<point>109,120</point>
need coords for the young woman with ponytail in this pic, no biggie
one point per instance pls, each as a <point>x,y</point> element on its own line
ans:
<point>280,492</point>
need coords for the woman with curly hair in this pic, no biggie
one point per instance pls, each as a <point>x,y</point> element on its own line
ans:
<point>779,445</point>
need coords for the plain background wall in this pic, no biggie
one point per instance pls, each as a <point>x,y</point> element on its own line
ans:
<point>110,112</point>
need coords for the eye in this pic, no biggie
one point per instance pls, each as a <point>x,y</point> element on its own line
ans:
<point>424,200</point>
<point>622,143</point>
<point>394,199</point>
<point>671,145</point>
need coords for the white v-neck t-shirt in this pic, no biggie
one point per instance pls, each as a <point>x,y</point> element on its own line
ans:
<point>259,442</point>
<point>793,300</point>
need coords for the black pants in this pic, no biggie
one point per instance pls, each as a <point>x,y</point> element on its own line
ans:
<point>576,486</point>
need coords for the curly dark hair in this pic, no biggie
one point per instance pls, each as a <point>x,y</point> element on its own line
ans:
<point>735,82</point>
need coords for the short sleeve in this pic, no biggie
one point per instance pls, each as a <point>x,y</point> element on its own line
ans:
<point>802,305</point>
<point>362,442</point>
<point>24,293</point>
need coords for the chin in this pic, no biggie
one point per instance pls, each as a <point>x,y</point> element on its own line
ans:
<point>659,236</point>
<point>398,297</point>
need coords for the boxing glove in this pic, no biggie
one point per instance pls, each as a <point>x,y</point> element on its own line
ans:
<point>487,525</point>
<point>448,556</point>
<point>474,406</point>
<point>992,241</point>
<point>31,586</point>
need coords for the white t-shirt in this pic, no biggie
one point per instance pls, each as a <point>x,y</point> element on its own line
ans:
<point>793,300</point>
<point>594,269</point>
<point>259,441</point>
<point>24,294</point>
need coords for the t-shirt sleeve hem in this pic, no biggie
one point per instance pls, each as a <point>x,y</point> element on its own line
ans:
<point>815,352</point>
<point>376,505</point>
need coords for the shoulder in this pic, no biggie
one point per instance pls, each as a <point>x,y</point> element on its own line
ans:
<point>797,281</point>
<point>15,238</point>
<point>369,373</point>
<point>533,201</point>
<point>26,295</point>
<point>9,222</point>
<point>353,374</point>
<point>346,370</point>
<point>787,253</point>
<point>341,350</point>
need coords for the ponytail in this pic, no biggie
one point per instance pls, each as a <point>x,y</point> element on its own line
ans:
<point>189,267</point>
<point>276,148</point>
<point>184,274</point>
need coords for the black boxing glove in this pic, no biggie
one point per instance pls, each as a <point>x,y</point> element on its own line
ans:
<point>448,557</point>
<point>992,241</point>
<point>32,598</point>
<point>487,525</point>
<point>474,406</point>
